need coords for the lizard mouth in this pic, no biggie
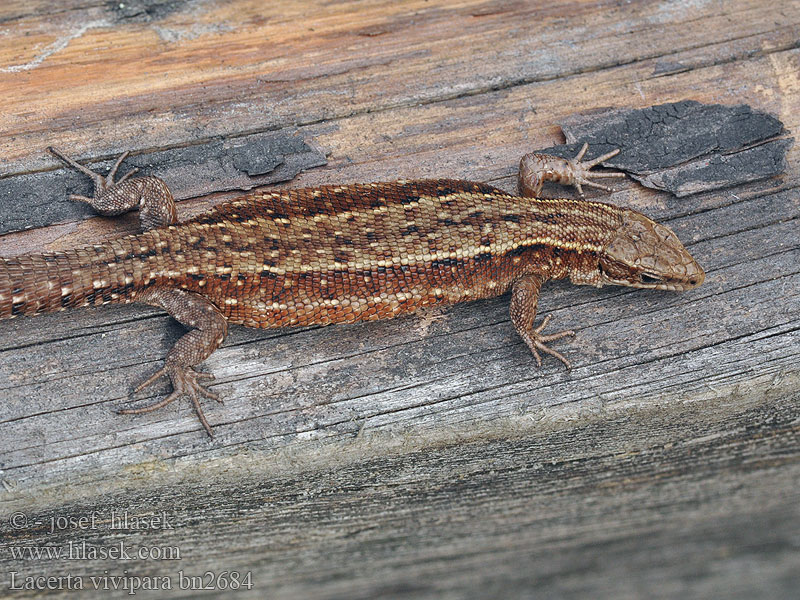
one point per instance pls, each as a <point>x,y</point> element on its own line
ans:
<point>672,284</point>
<point>650,279</point>
<point>655,281</point>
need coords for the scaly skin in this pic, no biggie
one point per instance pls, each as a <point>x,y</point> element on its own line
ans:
<point>338,254</point>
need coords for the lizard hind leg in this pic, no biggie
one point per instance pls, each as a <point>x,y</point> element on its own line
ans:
<point>149,194</point>
<point>209,330</point>
<point>101,184</point>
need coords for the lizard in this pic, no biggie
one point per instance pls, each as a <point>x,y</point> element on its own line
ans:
<point>346,253</point>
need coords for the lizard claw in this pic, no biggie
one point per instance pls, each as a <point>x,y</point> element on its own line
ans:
<point>185,380</point>
<point>536,341</point>
<point>581,170</point>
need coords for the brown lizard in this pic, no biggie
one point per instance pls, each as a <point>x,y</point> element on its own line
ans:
<point>338,254</point>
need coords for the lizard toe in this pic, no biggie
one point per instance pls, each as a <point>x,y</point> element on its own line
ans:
<point>185,382</point>
<point>537,341</point>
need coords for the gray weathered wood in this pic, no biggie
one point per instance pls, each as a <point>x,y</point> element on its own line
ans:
<point>428,457</point>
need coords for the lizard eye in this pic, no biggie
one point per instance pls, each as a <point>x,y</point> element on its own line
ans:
<point>649,278</point>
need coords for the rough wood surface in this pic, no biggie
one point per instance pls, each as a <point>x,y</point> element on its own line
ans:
<point>427,456</point>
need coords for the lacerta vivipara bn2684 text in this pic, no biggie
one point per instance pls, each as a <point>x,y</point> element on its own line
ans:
<point>345,253</point>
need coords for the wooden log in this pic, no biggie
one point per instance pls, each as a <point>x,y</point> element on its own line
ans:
<point>425,456</point>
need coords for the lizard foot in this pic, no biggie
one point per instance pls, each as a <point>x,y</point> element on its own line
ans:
<point>581,174</point>
<point>101,184</point>
<point>536,341</point>
<point>185,380</point>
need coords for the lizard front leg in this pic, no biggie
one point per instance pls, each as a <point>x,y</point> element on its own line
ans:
<point>524,298</point>
<point>209,330</point>
<point>150,194</point>
<point>535,169</point>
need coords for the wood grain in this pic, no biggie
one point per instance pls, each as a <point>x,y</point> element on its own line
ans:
<point>424,457</point>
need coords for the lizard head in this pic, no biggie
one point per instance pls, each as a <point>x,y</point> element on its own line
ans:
<point>645,254</point>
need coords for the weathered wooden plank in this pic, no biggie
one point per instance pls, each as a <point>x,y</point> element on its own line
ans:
<point>199,71</point>
<point>643,484</point>
<point>159,354</point>
<point>421,457</point>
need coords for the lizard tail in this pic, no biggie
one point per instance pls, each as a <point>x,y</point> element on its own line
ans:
<point>33,284</point>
